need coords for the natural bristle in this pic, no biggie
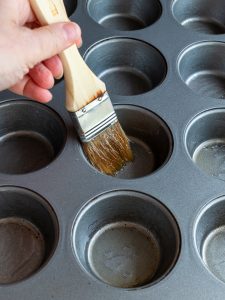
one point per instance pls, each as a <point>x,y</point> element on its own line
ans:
<point>110,150</point>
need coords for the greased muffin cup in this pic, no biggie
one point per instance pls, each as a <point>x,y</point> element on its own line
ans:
<point>156,229</point>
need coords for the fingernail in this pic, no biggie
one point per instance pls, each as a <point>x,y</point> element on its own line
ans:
<point>72,31</point>
<point>58,77</point>
<point>79,43</point>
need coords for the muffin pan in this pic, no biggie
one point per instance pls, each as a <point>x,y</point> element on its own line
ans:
<point>126,245</point>
<point>125,72</point>
<point>156,229</point>
<point>205,16</point>
<point>124,15</point>
<point>28,232</point>
<point>31,136</point>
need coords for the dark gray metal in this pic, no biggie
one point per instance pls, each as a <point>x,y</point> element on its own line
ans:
<point>205,140</point>
<point>167,86</point>
<point>126,239</point>
<point>28,233</point>
<point>124,15</point>
<point>202,68</point>
<point>209,237</point>
<point>31,136</point>
<point>150,138</point>
<point>70,6</point>
<point>127,72</point>
<point>22,250</point>
<point>205,16</point>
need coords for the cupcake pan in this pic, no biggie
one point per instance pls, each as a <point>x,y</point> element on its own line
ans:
<point>156,229</point>
<point>205,16</point>
<point>126,245</point>
<point>125,15</point>
<point>28,231</point>
<point>127,72</point>
<point>31,136</point>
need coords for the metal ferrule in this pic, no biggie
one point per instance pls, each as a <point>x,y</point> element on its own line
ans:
<point>95,117</point>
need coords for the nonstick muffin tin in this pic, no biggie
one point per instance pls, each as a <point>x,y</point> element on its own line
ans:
<point>157,229</point>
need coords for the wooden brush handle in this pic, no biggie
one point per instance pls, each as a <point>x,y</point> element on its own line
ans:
<point>82,85</point>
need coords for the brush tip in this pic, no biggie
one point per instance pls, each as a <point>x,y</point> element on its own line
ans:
<point>110,150</point>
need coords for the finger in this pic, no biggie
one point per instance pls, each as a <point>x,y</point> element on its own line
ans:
<point>29,17</point>
<point>42,76</point>
<point>55,66</point>
<point>47,41</point>
<point>28,88</point>
<point>54,63</point>
<point>37,93</point>
<point>32,25</point>
<point>79,42</point>
<point>18,12</point>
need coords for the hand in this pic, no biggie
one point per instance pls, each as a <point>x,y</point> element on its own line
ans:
<point>28,52</point>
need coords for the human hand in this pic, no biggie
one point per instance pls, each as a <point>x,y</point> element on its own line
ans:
<point>28,52</point>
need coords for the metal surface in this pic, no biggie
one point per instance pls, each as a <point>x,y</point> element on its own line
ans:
<point>205,16</point>
<point>124,15</point>
<point>202,68</point>
<point>209,237</point>
<point>150,139</point>
<point>126,239</point>
<point>95,117</point>
<point>205,141</point>
<point>30,137</point>
<point>22,249</point>
<point>127,66</point>
<point>28,234</point>
<point>166,82</point>
<point>124,255</point>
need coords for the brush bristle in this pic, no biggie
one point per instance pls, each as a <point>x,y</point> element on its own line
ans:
<point>110,150</point>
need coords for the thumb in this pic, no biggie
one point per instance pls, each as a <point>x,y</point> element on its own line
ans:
<point>47,41</point>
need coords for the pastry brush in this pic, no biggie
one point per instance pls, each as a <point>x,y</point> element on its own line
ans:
<point>103,139</point>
